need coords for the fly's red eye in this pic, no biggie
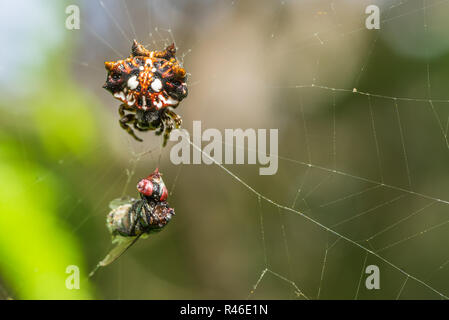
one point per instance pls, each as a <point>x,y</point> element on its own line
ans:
<point>145,187</point>
<point>164,193</point>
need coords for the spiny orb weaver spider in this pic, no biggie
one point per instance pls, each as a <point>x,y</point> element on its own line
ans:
<point>149,84</point>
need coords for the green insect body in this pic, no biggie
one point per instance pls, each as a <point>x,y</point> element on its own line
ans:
<point>138,217</point>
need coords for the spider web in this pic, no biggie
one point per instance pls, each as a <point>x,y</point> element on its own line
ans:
<point>352,189</point>
<point>363,244</point>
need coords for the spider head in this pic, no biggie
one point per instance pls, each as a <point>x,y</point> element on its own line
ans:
<point>153,187</point>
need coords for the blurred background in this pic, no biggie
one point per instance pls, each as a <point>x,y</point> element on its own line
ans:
<point>363,121</point>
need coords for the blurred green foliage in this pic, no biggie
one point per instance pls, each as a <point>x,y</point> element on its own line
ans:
<point>36,244</point>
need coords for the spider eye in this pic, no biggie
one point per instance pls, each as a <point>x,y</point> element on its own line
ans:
<point>176,83</point>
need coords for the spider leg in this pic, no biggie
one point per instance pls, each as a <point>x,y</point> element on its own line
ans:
<point>176,118</point>
<point>167,132</point>
<point>138,128</point>
<point>160,129</point>
<point>122,108</point>
<point>124,120</point>
<point>168,129</point>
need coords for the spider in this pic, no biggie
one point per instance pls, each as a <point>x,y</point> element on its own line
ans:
<point>150,84</point>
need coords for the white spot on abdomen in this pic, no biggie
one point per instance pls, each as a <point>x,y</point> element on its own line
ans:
<point>158,104</point>
<point>120,95</point>
<point>169,101</point>
<point>144,103</point>
<point>130,99</point>
<point>156,85</point>
<point>133,83</point>
<point>172,102</point>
